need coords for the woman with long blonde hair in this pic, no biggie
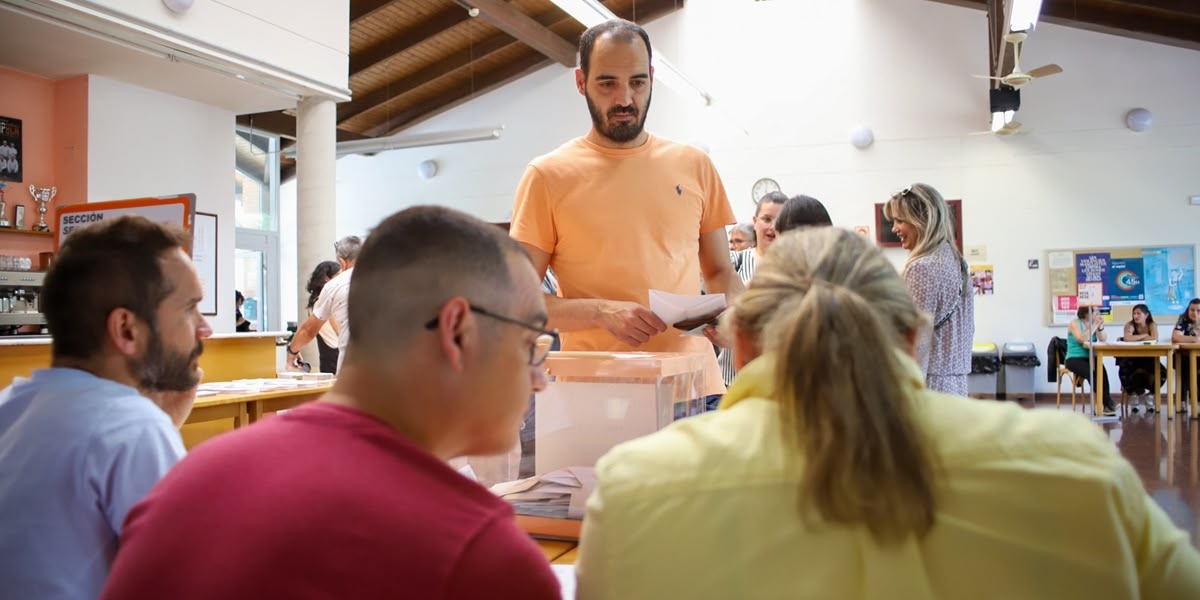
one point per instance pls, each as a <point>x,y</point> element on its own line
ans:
<point>936,276</point>
<point>831,471</point>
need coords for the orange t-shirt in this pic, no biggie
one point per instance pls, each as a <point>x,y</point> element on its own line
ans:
<point>620,222</point>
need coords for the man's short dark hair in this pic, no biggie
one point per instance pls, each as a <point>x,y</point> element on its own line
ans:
<point>417,259</point>
<point>620,29</point>
<point>102,267</point>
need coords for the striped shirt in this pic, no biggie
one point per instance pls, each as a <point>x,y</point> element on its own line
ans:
<point>744,262</point>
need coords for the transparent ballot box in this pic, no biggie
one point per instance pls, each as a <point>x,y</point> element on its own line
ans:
<point>594,401</point>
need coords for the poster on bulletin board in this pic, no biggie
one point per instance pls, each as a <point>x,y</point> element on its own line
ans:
<point>1116,279</point>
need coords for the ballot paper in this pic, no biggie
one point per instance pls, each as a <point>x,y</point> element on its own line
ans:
<point>673,308</point>
<point>559,493</point>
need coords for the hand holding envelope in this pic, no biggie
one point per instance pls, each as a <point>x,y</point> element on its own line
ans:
<point>689,312</point>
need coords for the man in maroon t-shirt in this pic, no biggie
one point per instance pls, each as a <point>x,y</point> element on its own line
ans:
<point>351,496</point>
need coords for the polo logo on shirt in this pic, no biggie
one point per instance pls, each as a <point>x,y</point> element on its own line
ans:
<point>678,189</point>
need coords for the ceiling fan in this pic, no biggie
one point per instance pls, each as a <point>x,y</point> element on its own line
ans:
<point>1017,77</point>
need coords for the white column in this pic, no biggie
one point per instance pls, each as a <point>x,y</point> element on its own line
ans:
<point>316,173</point>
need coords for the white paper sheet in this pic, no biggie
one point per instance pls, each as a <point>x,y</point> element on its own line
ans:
<point>673,308</point>
<point>566,580</point>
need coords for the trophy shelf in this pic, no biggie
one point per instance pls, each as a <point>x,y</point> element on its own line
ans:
<point>26,232</point>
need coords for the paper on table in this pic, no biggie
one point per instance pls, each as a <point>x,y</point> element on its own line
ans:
<point>566,580</point>
<point>673,308</point>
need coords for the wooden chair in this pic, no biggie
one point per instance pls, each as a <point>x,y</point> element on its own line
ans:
<point>1077,383</point>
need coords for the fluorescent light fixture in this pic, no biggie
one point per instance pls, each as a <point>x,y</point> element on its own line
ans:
<point>592,12</point>
<point>1024,15</point>
<point>419,140</point>
<point>588,12</point>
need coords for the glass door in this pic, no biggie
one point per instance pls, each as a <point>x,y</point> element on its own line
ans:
<point>255,279</point>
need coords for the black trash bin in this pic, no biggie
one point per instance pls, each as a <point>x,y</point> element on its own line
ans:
<point>1019,360</point>
<point>985,364</point>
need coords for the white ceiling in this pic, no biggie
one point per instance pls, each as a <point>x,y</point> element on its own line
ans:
<point>34,45</point>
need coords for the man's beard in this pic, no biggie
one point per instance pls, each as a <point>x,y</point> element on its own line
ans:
<point>164,370</point>
<point>621,132</point>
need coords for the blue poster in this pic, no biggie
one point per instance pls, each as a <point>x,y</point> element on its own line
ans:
<point>1125,282</point>
<point>1091,274</point>
<point>1170,280</point>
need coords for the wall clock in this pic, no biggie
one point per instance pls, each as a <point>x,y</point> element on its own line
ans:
<point>762,187</point>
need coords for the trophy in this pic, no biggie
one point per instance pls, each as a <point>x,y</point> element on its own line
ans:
<point>3,208</point>
<point>42,196</point>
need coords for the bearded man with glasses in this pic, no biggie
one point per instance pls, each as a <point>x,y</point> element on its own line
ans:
<point>351,496</point>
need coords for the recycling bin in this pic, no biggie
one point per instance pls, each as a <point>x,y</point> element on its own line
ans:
<point>1018,361</point>
<point>985,366</point>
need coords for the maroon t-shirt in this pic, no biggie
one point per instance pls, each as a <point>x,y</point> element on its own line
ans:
<point>323,502</point>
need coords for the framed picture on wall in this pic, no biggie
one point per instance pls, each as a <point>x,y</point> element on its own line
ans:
<point>204,257</point>
<point>10,149</point>
<point>887,239</point>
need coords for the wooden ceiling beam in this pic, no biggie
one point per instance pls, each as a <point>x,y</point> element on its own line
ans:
<point>1174,7</point>
<point>364,59</point>
<point>500,41</point>
<point>1168,22</point>
<point>459,94</point>
<point>362,8</point>
<point>458,60</point>
<point>510,20</point>
<point>647,10</point>
<point>1125,19</point>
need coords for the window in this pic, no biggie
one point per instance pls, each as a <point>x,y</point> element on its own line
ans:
<point>256,215</point>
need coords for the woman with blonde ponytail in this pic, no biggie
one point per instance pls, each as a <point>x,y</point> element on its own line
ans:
<point>831,471</point>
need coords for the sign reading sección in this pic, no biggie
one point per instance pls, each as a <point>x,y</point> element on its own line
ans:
<point>172,210</point>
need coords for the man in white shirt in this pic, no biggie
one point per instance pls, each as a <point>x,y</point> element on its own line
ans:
<point>84,440</point>
<point>331,304</point>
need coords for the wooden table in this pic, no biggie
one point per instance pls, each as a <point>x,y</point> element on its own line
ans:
<point>1190,352</point>
<point>245,409</point>
<point>1134,350</point>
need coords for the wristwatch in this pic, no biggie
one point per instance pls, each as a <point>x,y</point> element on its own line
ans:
<point>288,348</point>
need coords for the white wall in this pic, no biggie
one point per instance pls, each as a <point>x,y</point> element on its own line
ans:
<point>310,38</point>
<point>790,79</point>
<point>147,143</point>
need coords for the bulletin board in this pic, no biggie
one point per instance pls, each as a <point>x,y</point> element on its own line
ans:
<point>1116,279</point>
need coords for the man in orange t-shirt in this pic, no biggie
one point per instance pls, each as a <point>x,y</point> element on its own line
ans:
<point>619,212</point>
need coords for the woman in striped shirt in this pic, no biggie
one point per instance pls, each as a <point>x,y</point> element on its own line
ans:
<point>776,214</point>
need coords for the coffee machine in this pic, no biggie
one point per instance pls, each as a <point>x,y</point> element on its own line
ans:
<point>20,312</point>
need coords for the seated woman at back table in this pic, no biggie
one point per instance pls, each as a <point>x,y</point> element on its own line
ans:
<point>1187,331</point>
<point>1085,330</point>
<point>831,471</point>
<point>1137,373</point>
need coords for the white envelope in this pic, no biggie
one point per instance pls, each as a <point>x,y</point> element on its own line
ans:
<point>673,308</point>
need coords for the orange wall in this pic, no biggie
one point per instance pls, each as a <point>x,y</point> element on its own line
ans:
<point>71,140</point>
<point>53,149</point>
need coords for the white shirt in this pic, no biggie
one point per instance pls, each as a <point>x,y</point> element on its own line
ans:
<point>333,302</point>
<point>76,453</point>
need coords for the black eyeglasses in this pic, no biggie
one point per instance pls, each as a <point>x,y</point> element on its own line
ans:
<point>540,348</point>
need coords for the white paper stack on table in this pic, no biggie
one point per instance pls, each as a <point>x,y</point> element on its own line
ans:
<point>253,386</point>
<point>559,493</point>
<point>674,308</point>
